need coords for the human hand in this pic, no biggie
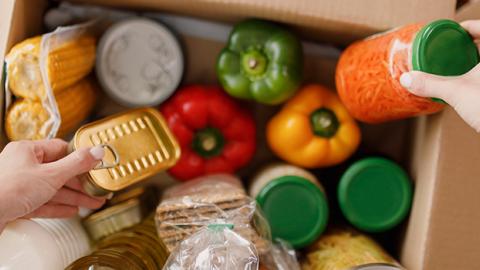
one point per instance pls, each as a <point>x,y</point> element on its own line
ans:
<point>460,92</point>
<point>38,179</point>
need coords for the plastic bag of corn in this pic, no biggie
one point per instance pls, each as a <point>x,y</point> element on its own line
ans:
<point>39,69</point>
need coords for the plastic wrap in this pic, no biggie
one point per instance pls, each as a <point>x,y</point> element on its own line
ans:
<point>214,247</point>
<point>281,257</point>
<point>186,216</point>
<point>40,67</point>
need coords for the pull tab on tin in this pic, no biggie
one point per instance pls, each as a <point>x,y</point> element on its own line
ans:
<point>105,165</point>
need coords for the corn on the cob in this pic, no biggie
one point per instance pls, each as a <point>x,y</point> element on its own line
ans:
<point>66,65</point>
<point>27,119</point>
<point>71,62</point>
<point>75,104</point>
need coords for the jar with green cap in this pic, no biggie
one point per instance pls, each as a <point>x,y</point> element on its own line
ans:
<point>375,194</point>
<point>368,72</point>
<point>293,201</point>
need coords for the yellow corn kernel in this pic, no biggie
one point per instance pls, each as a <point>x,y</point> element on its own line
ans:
<point>28,120</point>
<point>71,62</point>
<point>66,65</point>
<point>75,104</point>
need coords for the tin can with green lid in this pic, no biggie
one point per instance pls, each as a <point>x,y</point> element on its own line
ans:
<point>375,194</point>
<point>368,72</point>
<point>293,201</point>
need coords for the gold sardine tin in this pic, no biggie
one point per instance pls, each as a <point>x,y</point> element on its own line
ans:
<point>141,139</point>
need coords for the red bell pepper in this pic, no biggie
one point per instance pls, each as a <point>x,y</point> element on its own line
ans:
<point>215,134</point>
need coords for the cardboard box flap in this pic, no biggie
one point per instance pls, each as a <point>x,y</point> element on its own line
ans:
<point>337,21</point>
<point>469,11</point>
<point>444,223</point>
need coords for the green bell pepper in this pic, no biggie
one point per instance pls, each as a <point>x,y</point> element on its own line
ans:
<point>262,61</point>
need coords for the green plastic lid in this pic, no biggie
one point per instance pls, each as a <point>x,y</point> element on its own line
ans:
<point>375,194</point>
<point>296,209</point>
<point>444,48</point>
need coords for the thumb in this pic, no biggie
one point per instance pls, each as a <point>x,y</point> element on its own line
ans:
<point>76,163</point>
<point>429,85</point>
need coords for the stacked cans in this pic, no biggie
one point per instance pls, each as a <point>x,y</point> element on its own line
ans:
<point>136,248</point>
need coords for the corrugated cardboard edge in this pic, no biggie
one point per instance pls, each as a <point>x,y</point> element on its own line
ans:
<point>16,17</point>
<point>423,168</point>
<point>446,169</point>
<point>455,218</point>
<point>469,11</point>
<point>340,21</point>
<point>6,13</point>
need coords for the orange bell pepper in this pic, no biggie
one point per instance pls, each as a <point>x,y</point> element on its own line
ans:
<point>313,129</point>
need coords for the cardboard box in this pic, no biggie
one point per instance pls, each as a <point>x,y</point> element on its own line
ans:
<point>445,157</point>
<point>469,11</point>
<point>443,229</point>
<point>337,21</point>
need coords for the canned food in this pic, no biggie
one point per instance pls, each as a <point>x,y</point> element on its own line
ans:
<point>113,219</point>
<point>139,144</point>
<point>344,249</point>
<point>375,194</point>
<point>136,248</point>
<point>369,71</point>
<point>139,62</point>
<point>293,202</point>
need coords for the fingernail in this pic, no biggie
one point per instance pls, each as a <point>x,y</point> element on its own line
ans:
<point>97,152</point>
<point>406,80</point>
<point>109,196</point>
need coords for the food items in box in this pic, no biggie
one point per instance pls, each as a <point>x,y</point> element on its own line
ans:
<point>375,194</point>
<point>368,72</point>
<point>139,63</point>
<point>313,129</point>
<point>65,66</point>
<point>293,202</point>
<point>216,135</point>
<point>26,118</point>
<point>139,145</point>
<point>137,248</point>
<point>43,244</point>
<point>342,249</point>
<point>262,61</point>
<point>113,219</point>
<point>217,199</point>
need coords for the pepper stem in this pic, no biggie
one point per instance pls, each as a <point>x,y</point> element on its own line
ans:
<point>254,63</point>
<point>324,122</point>
<point>208,142</point>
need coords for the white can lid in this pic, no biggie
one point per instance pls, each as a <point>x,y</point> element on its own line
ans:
<point>139,62</point>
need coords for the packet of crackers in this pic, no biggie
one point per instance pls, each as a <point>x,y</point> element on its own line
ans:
<point>197,205</point>
<point>42,74</point>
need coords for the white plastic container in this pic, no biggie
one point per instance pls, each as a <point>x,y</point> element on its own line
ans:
<point>42,244</point>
